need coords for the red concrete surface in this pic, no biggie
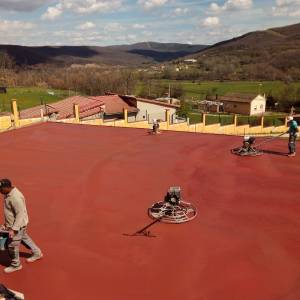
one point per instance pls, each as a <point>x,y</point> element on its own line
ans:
<point>87,186</point>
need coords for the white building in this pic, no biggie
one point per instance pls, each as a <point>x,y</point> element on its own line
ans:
<point>151,109</point>
<point>243,104</point>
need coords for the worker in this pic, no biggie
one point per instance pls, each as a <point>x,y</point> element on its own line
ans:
<point>16,221</point>
<point>155,127</point>
<point>293,130</point>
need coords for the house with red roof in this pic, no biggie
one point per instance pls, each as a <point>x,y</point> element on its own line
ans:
<point>108,107</point>
<point>64,109</point>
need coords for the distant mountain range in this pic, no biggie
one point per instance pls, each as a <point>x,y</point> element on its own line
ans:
<point>136,54</point>
<point>268,54</point>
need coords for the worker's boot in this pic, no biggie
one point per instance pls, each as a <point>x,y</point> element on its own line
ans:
<point>34,257</point>
<point>12,269</point>
<point>292,154</point>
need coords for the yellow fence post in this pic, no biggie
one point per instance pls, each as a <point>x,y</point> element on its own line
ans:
<point>125,115</point>
<point>15,113</point>
<point>235,121</point>
<point>76,113</point>
<point>168,118</point>
<point>42,114</point>
<point>262,123</point>
<point>204,120</point>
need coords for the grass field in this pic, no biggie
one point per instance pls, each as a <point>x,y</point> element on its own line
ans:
<point>198,90</point>
<point>29,97</point>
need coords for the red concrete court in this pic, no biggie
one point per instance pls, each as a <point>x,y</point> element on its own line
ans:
<point>86,186</point>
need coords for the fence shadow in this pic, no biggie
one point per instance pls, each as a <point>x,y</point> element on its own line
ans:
<point>271,152</point>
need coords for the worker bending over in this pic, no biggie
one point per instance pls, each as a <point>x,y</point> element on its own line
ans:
<point>248,144</point>
<point>155,127</point>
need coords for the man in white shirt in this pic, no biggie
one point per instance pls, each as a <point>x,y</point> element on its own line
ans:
<point>16,221</point>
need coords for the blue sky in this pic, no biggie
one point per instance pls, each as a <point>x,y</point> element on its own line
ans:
<point>110,22</point>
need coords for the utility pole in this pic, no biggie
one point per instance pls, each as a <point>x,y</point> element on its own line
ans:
<point>149,94</point>
<point>259,88</point>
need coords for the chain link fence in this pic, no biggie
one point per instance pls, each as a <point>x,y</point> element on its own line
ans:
<point>219,119</point>
<point>252,121</point>
<point>275,121</point>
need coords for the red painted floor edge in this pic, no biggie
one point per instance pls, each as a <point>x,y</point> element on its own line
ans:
<point>87,186</point>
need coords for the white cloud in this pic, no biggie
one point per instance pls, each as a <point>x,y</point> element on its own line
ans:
<point>150,4</point>
<point>180,11</point>
<point>211,22</point>
<point>138,26</point>
<point>288,8</point>
<point>11,26</point>
<point>113,27</point>
<point>53,12</point>
<point>86,26</point>
<point>92,6</point>
<point>81,7</point>
<point>17,32</point>
<point>22,5</point>
<point>231,5</point>
<point>147,34</point>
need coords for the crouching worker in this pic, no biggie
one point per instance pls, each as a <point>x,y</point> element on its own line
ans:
<point>248,144</point>
<point>155,127</point>
<point>247,149</point>
<point>293,130</point>
<point>16,221</point>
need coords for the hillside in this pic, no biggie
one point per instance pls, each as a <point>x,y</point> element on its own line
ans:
<point>135,54</point>
<point>270,54</point>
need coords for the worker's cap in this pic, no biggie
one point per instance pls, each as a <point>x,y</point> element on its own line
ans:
<point>246,138</point>
<point>5,183</point>
<point>290,118</point>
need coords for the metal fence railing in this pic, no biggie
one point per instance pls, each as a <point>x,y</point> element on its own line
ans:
<point>219,119</point>
<point>252,121</point>
<point>275,121</point>
<point>177,120</point>
<point>195,118</point>
<point>139,117</point>
<point>161,116</point>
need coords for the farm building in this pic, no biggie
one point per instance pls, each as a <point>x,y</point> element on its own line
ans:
<point>236,103</point>
<point>152,109</point>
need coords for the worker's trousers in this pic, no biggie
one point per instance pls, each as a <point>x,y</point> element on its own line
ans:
<point>292,143</point>
<point>14,246</point>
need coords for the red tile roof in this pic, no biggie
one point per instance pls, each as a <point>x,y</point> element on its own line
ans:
<point>65,108</point>
<point>130,98</point>
<point>233,97</point>
<point>114,104</point>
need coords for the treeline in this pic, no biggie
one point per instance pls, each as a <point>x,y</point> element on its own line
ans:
<point>88,80</point>
<point>236,66</point>
<point>95,80</point>
<point>286,98</point>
